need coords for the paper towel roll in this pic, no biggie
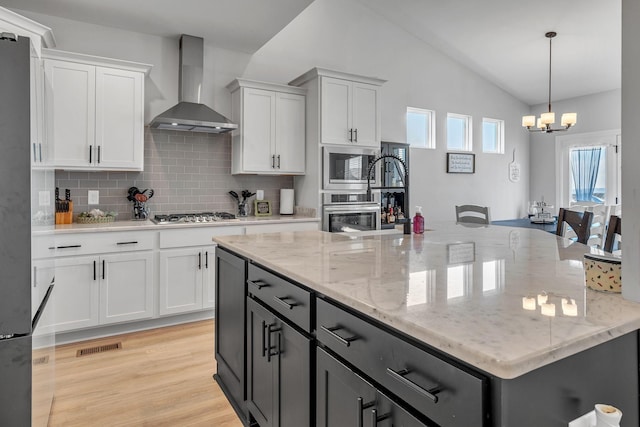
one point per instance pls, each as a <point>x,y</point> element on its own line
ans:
<point>607,416</point>
<point>286,201</point>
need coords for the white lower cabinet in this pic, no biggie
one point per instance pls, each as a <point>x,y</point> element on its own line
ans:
<point>126,287</point>
<point>187,279</point>
<point>98,290</point>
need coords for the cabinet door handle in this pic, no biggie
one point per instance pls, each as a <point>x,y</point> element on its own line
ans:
<point>66,247</point>
<point>400,376</point>
<point>356,135</point>
<point>278,161</point>
<point>375,417</point>
<point>258,284</point>
<point>350,135</point>
<point>270,330</point>
<point>345,341</point>
<point>133,242</point>
<point>206,260</point>
<point>103,269</point>
<point>361,407</point>
<point>90,154</point>
<point>99,147</point>
<point>199,260</point>
<point>282,301</point>
<point>264,348</point>
<point>94,269</point>
<point>273,161</point>
<point>35,159</point>
<point>40,150</point>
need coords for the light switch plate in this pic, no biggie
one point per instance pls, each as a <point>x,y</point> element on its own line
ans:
<point>44,198</point>
<point>94,197</point>
<point>587,420</point>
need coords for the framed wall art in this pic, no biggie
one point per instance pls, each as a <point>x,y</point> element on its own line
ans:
<point>461,163</point>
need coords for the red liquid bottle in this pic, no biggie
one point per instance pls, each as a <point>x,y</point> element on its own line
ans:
<point>418,221</point>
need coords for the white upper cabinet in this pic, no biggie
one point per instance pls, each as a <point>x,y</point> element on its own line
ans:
<point>270,139</point>
<point>349,106</point>
<point>94,112</point>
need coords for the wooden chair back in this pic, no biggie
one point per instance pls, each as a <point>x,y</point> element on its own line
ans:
<point>580,222</point>
<point>472,214</point>
<point>615,227</point>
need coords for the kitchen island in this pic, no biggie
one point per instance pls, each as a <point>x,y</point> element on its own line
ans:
<point>507,306</point>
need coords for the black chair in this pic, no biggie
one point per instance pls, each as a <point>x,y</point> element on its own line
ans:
<point>615,227</point>
<point>580,222</point>
<point>472,214</point>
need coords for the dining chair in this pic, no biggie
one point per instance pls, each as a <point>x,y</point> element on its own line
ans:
<point>580,222</point>
<point>472,214</point>
<point>615,227</point>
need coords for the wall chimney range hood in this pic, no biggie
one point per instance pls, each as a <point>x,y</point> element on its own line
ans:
<point>189,114</point>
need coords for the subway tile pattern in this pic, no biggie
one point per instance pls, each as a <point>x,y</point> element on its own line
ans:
<point>188,171</point>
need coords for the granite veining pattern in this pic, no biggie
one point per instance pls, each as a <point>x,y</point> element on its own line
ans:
<point>462,290</point>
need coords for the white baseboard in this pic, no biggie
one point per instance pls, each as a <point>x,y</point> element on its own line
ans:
<point>123,328</point>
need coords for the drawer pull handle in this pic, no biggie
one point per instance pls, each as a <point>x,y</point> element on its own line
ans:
<point>66,247</point>
<point>346,341</point>
<point>133,242</point>
<point>258,284</point>
<point>375,418</point>
<point>283,302</point>
<point>361,407</point>
<point>400,376</point>
<point>264,348</point>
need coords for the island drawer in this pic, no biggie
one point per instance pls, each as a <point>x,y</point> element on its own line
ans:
<point>445,393</point>
<point>282,296</point>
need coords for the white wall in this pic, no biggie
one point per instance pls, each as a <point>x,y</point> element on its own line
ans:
<point>345,36</point>
<point>597,112</point>
<point>221,66</point>
<point>631,148</point>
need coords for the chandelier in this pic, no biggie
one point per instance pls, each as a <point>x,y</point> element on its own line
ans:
<point>544,122</point>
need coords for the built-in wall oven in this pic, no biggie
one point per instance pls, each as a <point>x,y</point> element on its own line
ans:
<point>348,212</point>
<point>345,168</point>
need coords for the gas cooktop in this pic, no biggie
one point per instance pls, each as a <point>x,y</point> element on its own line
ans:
<point>201,217</point>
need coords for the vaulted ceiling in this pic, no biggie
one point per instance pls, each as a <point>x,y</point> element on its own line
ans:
<point>502,40</point>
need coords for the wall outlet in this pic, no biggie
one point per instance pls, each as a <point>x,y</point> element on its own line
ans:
<point>44,198</point>
<point>94,197</point>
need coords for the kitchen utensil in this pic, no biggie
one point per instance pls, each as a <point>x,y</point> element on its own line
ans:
<point>149,193</point>
<point>235,196</point>
<point>132,193</point>
<point>246,194</point>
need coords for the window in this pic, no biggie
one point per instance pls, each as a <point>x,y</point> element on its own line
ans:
<point>459,132</point>
<point>421,130</point>
<point>492,136</point>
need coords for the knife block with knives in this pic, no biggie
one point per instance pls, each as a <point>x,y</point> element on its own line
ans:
<point>64,208</point>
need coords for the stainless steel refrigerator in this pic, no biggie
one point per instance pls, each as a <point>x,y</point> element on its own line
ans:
<point>20,308</point>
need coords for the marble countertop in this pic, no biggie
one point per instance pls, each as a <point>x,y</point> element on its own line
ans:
<point>132,225</point>
<point>459,289</point>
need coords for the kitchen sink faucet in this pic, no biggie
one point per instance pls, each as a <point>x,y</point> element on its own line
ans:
<point>406,222</point>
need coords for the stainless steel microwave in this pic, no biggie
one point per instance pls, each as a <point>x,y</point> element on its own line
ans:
<point>346,168</point>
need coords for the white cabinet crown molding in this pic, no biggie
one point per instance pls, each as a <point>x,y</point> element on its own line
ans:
<point>41,35</point>
<point>239,82</point>
<point>324,72</point>
<point>98,61</point>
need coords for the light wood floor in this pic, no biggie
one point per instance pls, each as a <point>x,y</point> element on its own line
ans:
<point>161,377</point>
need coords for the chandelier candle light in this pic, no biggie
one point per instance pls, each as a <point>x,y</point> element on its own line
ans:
<point>544,122</point>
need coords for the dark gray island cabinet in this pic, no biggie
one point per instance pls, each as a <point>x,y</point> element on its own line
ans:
<point>288,355</point>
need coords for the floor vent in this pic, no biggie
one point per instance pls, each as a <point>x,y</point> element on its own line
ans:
<point>41,360</point>
<point>99,349</point>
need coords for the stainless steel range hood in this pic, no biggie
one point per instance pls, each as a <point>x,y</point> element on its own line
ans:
<point>189,114</point>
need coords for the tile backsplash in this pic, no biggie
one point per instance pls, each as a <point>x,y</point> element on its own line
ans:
<point>189,172</point>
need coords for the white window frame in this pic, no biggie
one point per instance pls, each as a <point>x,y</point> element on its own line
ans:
<point>500,143</point>
<point>468,137</point>
<point>430,143</point>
